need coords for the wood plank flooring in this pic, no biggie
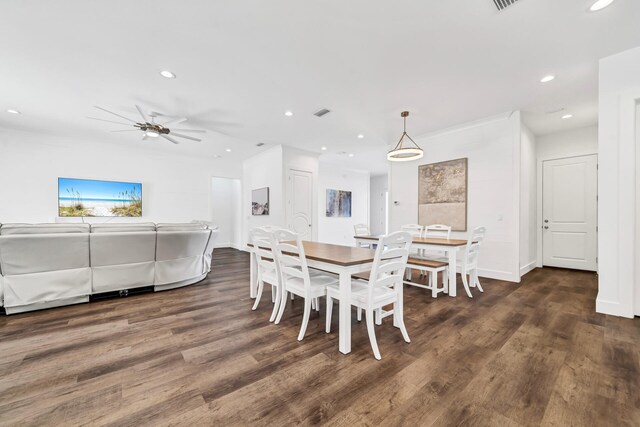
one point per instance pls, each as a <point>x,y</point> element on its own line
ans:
<point>529,354</point>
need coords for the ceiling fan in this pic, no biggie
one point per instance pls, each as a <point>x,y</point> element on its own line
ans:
<point>150,127</point>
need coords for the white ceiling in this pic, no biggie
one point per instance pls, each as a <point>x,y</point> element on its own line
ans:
<point>241,64</point>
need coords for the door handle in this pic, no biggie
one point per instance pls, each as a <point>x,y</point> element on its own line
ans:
<point>546,227</point>
<point>546,220</point>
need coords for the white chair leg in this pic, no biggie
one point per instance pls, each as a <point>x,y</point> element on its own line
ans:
<point>327,327</point>
<point>433,281</point>
<point>372,335</point>
<point>445,280</point>
<point>283,304</point>
<point>359,315</point>
<point>273,294</point>
<point>402,327</point>
<point>305,318</point>
<point>313,304</point>
<point>466,284</point>
<point>318,305</point>
<point>276,302</point>
<point>477,281</point>
<point>379,316</point>
<point>291,296</point>
<point>259,295</point>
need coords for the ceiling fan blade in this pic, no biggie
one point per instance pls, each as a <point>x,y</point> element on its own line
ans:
<point>115,114</point>
<point>109,121</point>
<point>185,136</point>
<point>168,138</point>
<point>144,117</point>
<point>190,130</point>
<point>125,130</point>
<point>175,121</point>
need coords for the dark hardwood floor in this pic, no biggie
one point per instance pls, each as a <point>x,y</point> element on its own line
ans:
<point>529,354</point>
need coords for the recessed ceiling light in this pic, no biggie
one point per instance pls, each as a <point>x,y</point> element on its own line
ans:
<point>288,113</point>
<point>13,111</point>
<point>350,154</point>
<point>324,148</point>
<point>567,116</point>
<point>599,5</point>
<point>228,150</point>
<point>152,133</point>
<point>360,136</point>
<point>167,74</point>
<point>547,79</point>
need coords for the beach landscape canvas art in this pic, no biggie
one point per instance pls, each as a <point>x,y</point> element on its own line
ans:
<point>86,197</point>
<point>338,204</point>
<point>260,201</point>
<point>442,194</point>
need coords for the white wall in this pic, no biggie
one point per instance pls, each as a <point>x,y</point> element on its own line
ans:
<point>378,209</point>
<point>617,159</point>
<point>576,142</point>
<point>263,170</point>
<point>340,230</point>
<point>493,149</point>
<point>226,211</point>
<point>174,188</point>
<point>528,194</point>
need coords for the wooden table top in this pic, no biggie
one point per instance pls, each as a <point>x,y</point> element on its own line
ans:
<point>426,240</point>
<point>336,254</point>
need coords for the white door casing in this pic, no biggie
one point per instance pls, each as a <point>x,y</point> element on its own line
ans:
<point>300,203</point>
<point>569,212</point>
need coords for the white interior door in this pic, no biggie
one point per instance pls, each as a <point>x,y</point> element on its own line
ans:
<point>569,212</point>
<point>301,203</point>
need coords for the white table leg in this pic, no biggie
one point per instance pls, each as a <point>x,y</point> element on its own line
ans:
<point>345,313</point>
<point>253,277</point>
<point>452,272</point>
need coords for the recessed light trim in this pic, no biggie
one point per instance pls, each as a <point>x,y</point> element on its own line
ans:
<point>360,136</point>
<point>288,113</point>
<point>351,154</point>
<point>12,111</point>
<point>567,116</point>
<point>547,78</point>
<point>599,5</point>
<point>323,148</point>
<point>228,150</point>
<point>167,74</point>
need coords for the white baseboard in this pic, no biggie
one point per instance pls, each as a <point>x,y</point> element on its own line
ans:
<point>527,268</point>
<point>613,308</point>
<point>498,275</point>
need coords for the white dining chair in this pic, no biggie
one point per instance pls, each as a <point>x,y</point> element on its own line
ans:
<point>362,230</point>
<point>383,288</point>
<point>438,231</point>
<point>416,230</point>
<point>296,279</point>
<point>268,270</point>
<point>469,263</point>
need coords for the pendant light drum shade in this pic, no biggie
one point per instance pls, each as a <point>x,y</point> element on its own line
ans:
<point>402,153</point>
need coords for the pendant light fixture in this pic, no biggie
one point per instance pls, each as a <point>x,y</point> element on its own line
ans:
<point>401,153</point>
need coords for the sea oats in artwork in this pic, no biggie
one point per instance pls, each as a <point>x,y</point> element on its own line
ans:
<point>442,194</point>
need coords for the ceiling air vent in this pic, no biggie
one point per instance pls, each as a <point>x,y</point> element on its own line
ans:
<point>503,4</point>
<point>259,144</point>
<point>321,113</point>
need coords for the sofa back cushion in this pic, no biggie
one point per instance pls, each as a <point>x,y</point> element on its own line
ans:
<point>123,227</point>
<point>13,229</point>
<point>36,253</point>
<point>111,248</point>
<point>181,227</point>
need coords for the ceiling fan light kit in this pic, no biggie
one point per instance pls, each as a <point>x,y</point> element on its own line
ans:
<point>402,153</point>
<point>152,129</point>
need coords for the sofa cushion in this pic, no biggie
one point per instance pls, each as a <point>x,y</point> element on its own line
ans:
<point>181,226</point>
<point>12,229</point>
<point>123,227</point>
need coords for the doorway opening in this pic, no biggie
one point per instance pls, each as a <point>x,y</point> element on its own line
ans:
<point>225,203</point>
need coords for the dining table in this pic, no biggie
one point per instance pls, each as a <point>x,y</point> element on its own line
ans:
<point>344,261</point>
<point>449,247</point>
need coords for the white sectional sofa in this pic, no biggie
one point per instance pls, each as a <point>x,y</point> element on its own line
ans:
<point>50,265</point>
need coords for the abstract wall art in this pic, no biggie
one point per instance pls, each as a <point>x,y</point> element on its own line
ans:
<point>338,204</point>
<point>260,201</point>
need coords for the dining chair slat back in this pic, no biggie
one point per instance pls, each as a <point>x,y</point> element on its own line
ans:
<point>268,269</point>
<point>390,261</point>
<point>291,256</point>
<point>437,231</point>
<point>415,230</point>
